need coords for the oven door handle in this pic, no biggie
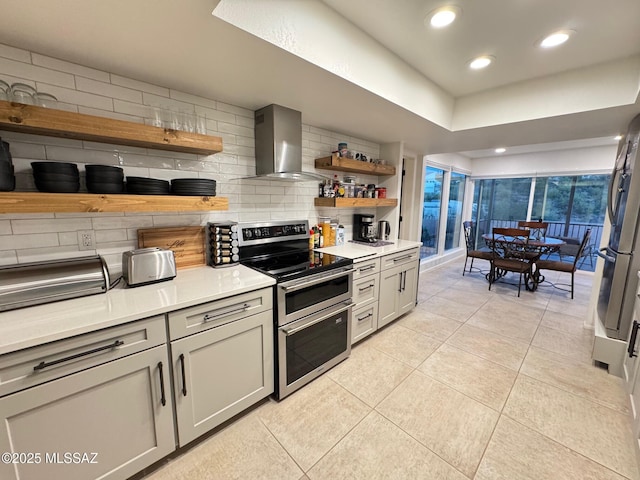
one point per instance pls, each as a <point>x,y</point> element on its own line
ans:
<point>293,330</point>
<point>290,287</point>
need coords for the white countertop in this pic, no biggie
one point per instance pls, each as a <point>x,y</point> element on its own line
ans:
<point>31,326</point>
<point>358,251</point>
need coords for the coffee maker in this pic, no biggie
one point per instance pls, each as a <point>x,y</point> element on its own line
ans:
<point>364,229</point>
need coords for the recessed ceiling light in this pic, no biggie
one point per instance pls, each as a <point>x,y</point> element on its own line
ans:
<point>556,38</point>
<point>501,150</point>
<point>617,138</point>
<point>481,62</point>
<point>441,17</point>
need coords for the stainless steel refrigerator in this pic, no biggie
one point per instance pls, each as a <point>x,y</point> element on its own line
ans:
<point>622,255</point>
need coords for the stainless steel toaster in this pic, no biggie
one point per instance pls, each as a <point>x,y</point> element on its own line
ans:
<point>148,265</point>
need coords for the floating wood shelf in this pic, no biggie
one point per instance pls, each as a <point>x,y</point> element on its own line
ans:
<point>17,117</point>
<point>355,202</point>
<point>353,166</point>
<point>33,202</point>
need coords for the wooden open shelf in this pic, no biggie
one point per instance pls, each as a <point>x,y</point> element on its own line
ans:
<point>353,166</point>
<point>355,202</point>
<point>17,117</point>
<point>34,202</point>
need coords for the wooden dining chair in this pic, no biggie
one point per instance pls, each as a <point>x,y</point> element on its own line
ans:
<point>567,267</point>
<point>536,229</point>
<point>472,252</point>
<point>509,254</point>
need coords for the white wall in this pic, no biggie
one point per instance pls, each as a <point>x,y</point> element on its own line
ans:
<point>35,237</point>
<point>577,161</point>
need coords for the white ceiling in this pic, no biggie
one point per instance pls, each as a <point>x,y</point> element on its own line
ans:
<point>507,30</point>
<point>181,45</point>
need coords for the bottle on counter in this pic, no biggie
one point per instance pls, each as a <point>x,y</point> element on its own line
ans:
<point>340,235</point>
<point>316,237</point>
<point>311,239</point>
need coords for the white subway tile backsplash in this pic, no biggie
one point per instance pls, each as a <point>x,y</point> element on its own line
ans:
<point>80,155</point>
<point>73,68</point>
<point>8,257</point>
<point>21,227</point>
<point>171,174</point>
<point>109,114</point>
<point>111,223</point>
<point>34,240</point>
<point>108,90</point>
<point>240,150</point>
<point>106,236</point>
<point>135,109</point>
<point>235,129</point>
<point>212,114</point>
<point>5,227</point>
<point>225,107</point>
<point>197,166</point>
<point>245,141</point>
<point>196,100</point>
<point>176,220</point>
<point>138,85</point>
<point>68,238</point>
<point>27,150</point>
<point>35,73</point>
<point>147,161</point>
<point>14,53</point>
<point>166,103</point>
<point>245,121</point>
<point>84,99</point>
<point>54,253</point>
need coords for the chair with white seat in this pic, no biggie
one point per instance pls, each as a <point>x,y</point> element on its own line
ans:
<point>509,246</point>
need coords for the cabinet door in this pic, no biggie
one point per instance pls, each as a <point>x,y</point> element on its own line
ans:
<point>388,298</point>
<point>409,290</point>
<point>221,372</point>
<point>113,410</point>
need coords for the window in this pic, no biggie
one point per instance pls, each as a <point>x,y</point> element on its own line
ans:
<point>431,205</point>
<point>454,210</point>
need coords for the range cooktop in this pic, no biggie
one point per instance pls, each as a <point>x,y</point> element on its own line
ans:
<point>289,266</point>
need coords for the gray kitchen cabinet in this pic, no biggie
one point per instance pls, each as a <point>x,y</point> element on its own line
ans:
<point>118,414</point>
<point>221,371</point>
<point>631,370</point>
<point>365,290</point>
<point>398,285</point>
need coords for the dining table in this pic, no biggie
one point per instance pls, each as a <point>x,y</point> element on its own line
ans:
<point>537,247</point>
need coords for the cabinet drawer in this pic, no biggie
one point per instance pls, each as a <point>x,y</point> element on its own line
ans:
<point>400,258</point>
<point>220,312</point>
<point>367,267</point>
<point>33,366</point>
<point>365,322</point>
<point>365,289</point>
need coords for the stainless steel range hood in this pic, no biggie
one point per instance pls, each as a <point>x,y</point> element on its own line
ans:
<point>278,137</point>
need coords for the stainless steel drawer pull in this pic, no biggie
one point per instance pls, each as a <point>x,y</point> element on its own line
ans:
<point>368,267</point>
<point>367,287</point>
<point>42,365</point>
<point>208,318</point>
<point>402,258</point>
<point>360,319</point>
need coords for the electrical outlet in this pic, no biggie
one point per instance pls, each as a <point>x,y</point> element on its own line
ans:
<point>86,240</point>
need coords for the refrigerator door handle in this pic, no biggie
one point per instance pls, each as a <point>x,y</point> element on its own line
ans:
<point>631,349</point>
<point>619,168</point>
<point>608,258</point>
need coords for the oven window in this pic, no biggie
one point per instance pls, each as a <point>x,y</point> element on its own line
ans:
<point>306,297</point>
<point>315,345</point>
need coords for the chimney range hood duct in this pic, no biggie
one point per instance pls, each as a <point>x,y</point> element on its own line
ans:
<point>278,136</point>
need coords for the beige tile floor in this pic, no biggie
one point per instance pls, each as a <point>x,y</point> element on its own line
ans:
<point>470,384</point>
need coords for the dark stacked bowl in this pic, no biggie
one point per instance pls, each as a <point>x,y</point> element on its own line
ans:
<point>147,186</point>
<point>104,179</point>
<point>7,177</point>
<point>56,177</point>
<point>193,186</point>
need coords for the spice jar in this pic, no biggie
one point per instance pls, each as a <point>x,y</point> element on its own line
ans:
<point>382,192</point>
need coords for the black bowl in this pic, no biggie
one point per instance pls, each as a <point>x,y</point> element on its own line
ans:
<point>54,167</point>
<point>105,187</point>
<point>103,169</point>
<point>58,187</point>
<point>55,177</point>
<point>105,177</point>
<point>7,182</point>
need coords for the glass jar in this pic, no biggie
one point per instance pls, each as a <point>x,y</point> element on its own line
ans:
<point>22,93</point>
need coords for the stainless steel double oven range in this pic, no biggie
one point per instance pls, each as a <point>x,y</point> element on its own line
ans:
<point>312,300</point>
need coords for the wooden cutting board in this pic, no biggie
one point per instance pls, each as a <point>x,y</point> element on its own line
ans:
<point>187,243</point>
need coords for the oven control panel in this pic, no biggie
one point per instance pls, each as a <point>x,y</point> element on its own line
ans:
<point>273,232</point>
